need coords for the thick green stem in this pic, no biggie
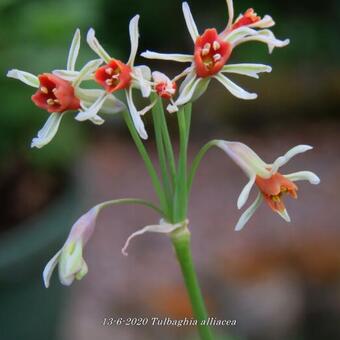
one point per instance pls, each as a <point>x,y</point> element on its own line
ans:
<point>148,163</point>
<point>181,243</point>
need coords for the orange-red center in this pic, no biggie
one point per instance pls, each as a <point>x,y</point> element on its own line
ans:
<point>114,76</point>
<point>273,189</point>
<point>55,94</point>
<point>211,53</point>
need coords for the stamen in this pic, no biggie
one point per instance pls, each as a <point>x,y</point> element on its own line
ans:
<point>54,90</point>
<point>109,82</point>
<point>217,57</point>
<point>276,198</point>
<point>50,101</point>
<point>216,45</point>
<point>44,89</point>
<point>56,101</point>
<point>205,52</point>
<point>207,46</point>
<point>109,70</point>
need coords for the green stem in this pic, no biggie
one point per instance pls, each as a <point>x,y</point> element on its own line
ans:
<point>148,163</point>
<point>161,153</point>
<point>180,197</point>
<point>197,160</point>
<point>181,243</point>
<point>167,142</point>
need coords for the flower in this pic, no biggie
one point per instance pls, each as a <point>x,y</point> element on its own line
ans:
<point>165,88</point>
<point>70,261</point>
<point>60,91</point>
<point>116,75</point>
<point>212,51</point>
<point>272,184</point>
<point>55,94</point>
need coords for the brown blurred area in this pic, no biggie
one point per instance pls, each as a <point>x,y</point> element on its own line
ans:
<point>279,281</point>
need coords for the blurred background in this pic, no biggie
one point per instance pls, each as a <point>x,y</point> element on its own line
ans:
<point>278,280</point>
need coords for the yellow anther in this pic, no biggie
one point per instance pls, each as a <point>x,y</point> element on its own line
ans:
<point>44,89</point>
<point>109,82</point>
<point>275,198</point>
<point>50,101</point>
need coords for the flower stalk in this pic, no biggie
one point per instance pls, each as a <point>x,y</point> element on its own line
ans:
<point>181,241</point>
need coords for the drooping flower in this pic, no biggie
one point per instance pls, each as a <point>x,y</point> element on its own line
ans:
<point>116,75</point>
<point>60,91</point>
<point>272,185</point>
<point>70,261</point>
<point>212,51</point>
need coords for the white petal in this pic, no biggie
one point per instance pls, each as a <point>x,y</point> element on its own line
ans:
<point>172,108</point>
<point>230,6</point>
<point>189,20</point>
<point>68,75</point>
<point>309,176</point>
<point>48,131</point>
<point>250,70</point>
<point>96,46</point>
<point>97,120</point>
<point>111,104</point>
<point>187,93</point>
<point>160,77</point>
<point>266,22</point>
<point>245,158</point>
<point>182,58</point>
<point>27,78</point>
<point>245,217</point>
<point>49,268</point>
<point>134,36</point>
<point>234,89</point>
<point>135,115</point>
<point>142,75</point>
<point>92,111</point>
<point>71,260</point>
<point>164,228</point>
<point>284,215</point>
<point>242,199</point>
<point>87,71</point>
<point>147,108</point>
<point>265,36</point>
<point>74,50</point>
<point>287,157</point>
<point>234,36</point>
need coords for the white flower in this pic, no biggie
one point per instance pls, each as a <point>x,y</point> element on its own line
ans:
<point>165,88</point>
<point>70,261</point>
<point>60,92</point>
<point>212,51</point>
<point>271,183</point>
<point>116,75</point>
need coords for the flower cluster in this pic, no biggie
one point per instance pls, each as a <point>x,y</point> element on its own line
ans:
<point>61,91</point>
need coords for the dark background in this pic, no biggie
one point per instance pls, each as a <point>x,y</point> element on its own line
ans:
<point>279,281</point>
